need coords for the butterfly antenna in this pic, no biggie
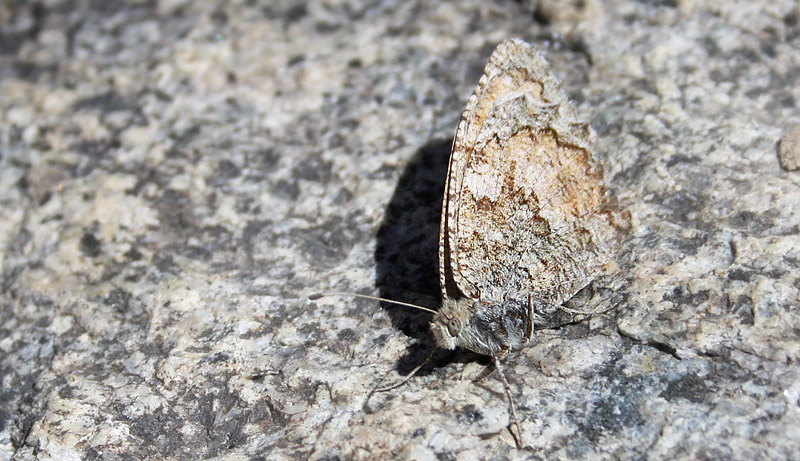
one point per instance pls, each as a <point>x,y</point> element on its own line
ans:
<point>579,312</point>
<point>317,296</point>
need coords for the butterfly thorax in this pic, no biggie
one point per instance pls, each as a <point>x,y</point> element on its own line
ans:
<point>485,327</point>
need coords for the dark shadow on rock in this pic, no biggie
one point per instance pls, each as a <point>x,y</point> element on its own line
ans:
<point>407,252</point>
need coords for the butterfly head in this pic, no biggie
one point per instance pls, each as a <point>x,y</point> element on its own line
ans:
<point>450,322</point>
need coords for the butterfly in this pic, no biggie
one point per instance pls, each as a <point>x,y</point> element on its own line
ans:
<point>526,221</point>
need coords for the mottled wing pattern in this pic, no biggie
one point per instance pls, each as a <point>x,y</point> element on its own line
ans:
<point>525,205</point>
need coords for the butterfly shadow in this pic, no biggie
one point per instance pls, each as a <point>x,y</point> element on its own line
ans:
<point>407,254</point>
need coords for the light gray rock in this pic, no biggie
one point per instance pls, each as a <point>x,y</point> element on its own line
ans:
<point>789,148</point>
<point>177,177</point>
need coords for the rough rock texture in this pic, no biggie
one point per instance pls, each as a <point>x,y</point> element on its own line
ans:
<point>789,148</point>
<point>177,176</point>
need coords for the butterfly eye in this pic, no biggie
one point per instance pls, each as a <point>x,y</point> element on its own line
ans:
<point>454,327</point>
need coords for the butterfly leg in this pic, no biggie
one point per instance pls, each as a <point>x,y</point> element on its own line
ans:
<point>531,324</point>
<point>403,381</point>
<point>515,420</point>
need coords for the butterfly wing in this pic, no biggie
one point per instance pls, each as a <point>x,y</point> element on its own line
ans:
<point>525,206</point>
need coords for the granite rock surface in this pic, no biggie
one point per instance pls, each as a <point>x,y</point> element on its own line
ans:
<point>176,177</point>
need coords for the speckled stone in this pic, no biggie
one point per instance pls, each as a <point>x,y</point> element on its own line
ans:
<point>789,148</point>
<point>176,177</point>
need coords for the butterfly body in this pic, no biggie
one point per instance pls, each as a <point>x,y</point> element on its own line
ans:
<point>489,328</point>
